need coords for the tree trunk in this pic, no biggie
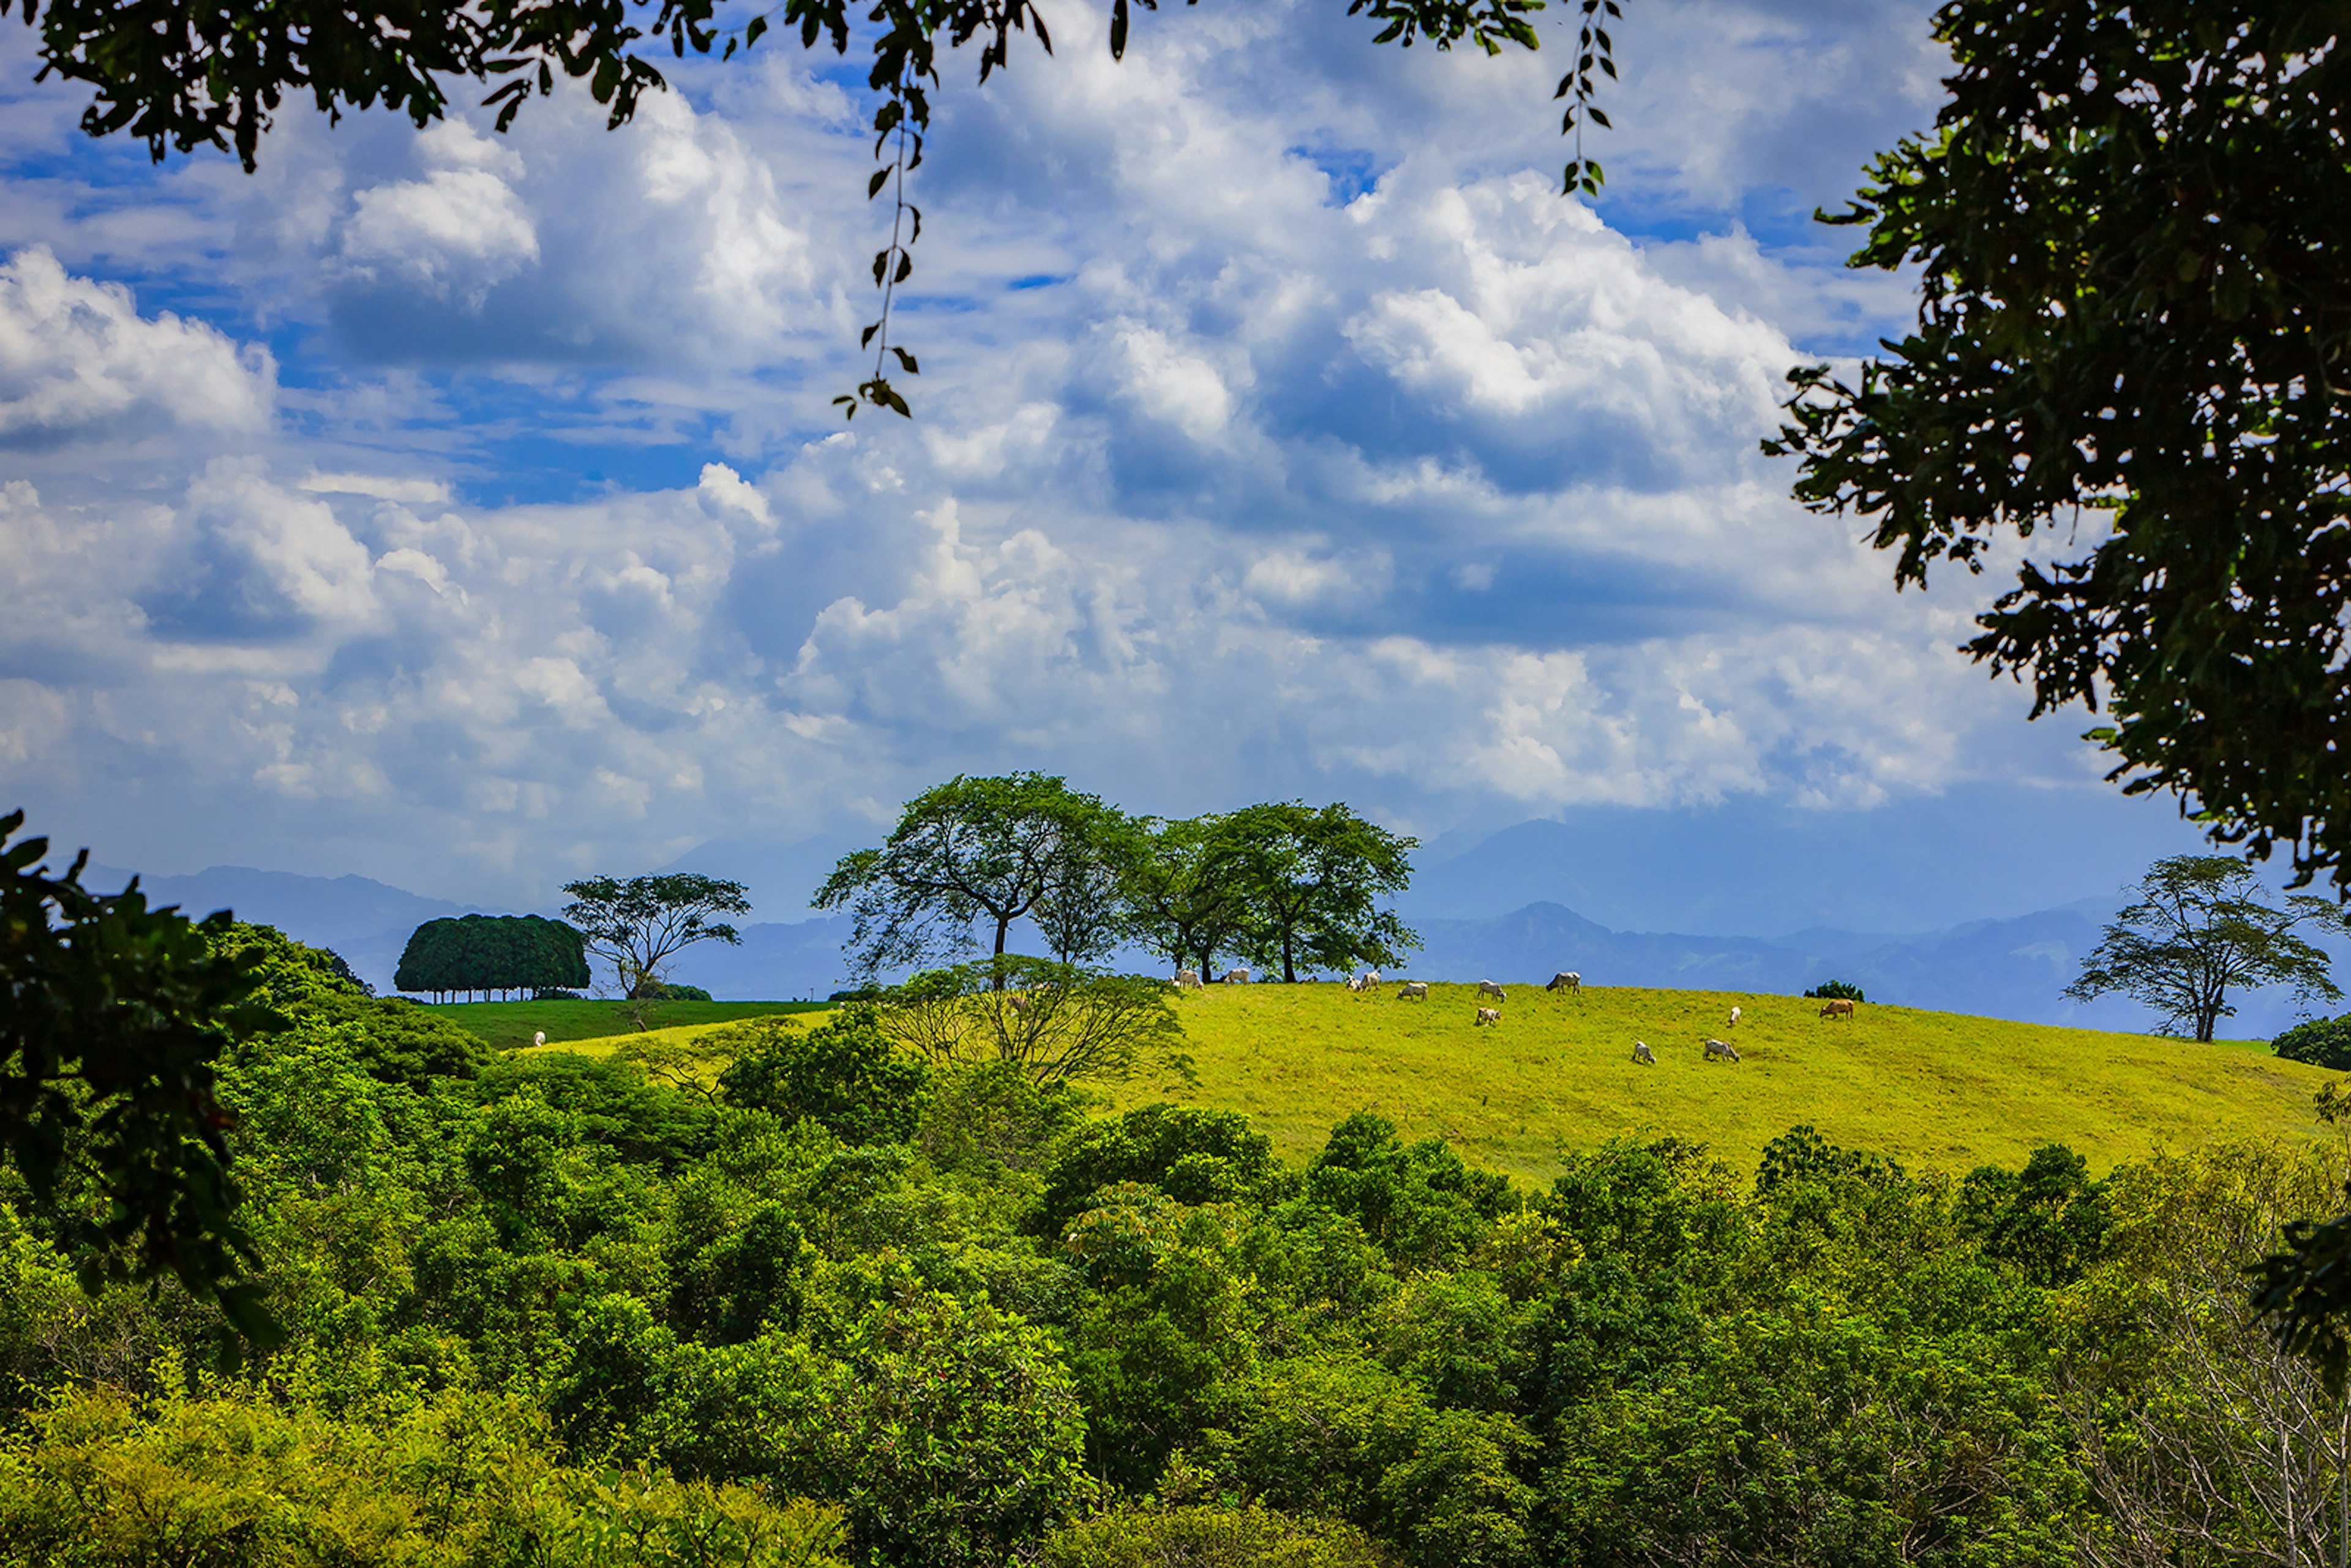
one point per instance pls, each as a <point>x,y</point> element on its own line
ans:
<point>1289,972</point>
<point>1003,924</point>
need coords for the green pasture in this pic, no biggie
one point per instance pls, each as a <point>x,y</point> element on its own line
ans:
<point>1938,1090</point>
<point>508,1026</point>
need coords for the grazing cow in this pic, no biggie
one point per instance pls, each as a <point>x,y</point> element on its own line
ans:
<point>539,1037</point>
<point>1019,1003</point>
<point>1734,1018</point>
<point>1721,1051</point>
<point>1414,991</point>
<point>1566,980</point>
<point>1236,976</point>
<point>1488,988</point>
<point>1838,1008</point>
<point>1642,1054</point>
<point>1487,1014</point>
<point>1187,980</point>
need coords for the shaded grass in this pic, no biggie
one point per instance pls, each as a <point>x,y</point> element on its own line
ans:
<point>508,1026</point>
<point>1938,1091</point>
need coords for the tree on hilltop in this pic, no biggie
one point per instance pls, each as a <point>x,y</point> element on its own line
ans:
<point>982,851</point>
<point>2197,932</point>
<point>637,925</point>
<point>1310,880</point>
<point>1183,890</point>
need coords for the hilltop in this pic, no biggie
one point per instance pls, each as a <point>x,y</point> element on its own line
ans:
<point>1940,1091</point>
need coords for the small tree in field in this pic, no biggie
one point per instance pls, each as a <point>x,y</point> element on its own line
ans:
<point>640,925</point>
<point>2197,932</point>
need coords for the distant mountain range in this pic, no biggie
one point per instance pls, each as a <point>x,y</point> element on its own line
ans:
<point>2015,966</point>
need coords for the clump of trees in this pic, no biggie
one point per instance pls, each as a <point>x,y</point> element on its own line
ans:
<point>1836,990</point>
<point>1283,885</point>
<point>492,955</point>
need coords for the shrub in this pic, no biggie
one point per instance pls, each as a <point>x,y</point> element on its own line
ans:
<point>663,991</point>
<point>2321,1042</point>
<point>1836,992</point>
<point>846,1074</point>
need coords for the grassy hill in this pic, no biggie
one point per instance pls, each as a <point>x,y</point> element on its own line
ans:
<point>1936,1090</point>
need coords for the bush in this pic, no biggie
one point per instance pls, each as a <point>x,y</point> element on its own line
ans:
<point>663,991</point>
<point>846,1074</point>
<point>1836,992</point>
<point>2321,1042</point>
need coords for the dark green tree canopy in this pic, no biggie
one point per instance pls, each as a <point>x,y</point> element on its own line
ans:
<point>2130,226</point>
<point>1183,890</point>
<point>2197,932</point>
<point>492,952</point>
<point>639,924</point>
<point>1311,879</point>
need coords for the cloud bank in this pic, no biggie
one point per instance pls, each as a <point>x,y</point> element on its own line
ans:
<point>464,511</point>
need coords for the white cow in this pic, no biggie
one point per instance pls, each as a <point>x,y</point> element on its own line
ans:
<point>539,1037</point>
<point>1236,976</point>
<point>1187,980</point>
<point>1721,1051</point>
<point>1642,1054</point>
<point>1734,1018</point>
<point>1488,988</point>
<point>1487,1014</point>
<point>1566,980</point>
<point>1414,991</point>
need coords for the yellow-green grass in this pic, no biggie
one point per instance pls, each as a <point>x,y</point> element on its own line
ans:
<point>510,1025</point>
<point>1938,1090</point>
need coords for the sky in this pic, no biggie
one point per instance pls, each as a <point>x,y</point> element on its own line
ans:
<point>469,511</point>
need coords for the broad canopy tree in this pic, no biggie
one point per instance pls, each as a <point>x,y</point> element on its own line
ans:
<point>640,924</point>
<point>986,852</point>
<point>2197,932</point>
<point>1310,881</point>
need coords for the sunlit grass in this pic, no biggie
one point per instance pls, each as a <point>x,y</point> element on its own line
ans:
<point>508,1026</point>
<point>1934,1089</point>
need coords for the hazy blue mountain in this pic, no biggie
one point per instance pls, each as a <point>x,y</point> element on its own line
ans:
<point>367,922</point>
<point>777,962</point>
<point>1979,851</point>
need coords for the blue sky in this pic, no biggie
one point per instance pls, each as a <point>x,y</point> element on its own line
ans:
<point>468,511</point>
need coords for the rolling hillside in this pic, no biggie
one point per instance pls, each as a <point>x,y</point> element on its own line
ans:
<point>1936,1090</point>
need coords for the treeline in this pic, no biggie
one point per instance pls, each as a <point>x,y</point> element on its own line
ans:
<point>1284,885</point>
<point>813,1299</point>
<point>492,955</point>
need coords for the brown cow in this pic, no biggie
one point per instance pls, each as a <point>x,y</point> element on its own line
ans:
<point>1838,1008</point>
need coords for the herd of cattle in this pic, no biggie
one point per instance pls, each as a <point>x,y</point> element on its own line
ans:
<point>1566,980</point>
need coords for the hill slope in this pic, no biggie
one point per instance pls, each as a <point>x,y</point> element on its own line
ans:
<point>1938,1090</point>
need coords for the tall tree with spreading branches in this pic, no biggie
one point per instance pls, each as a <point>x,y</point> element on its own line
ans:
<point>979,852</point>
<point>638,925</point>
<point>2197,932</point>
<point>1311,879</point>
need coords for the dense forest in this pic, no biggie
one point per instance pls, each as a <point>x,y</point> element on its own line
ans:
<point>809,1299</point>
